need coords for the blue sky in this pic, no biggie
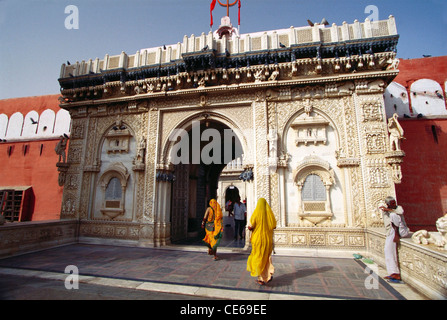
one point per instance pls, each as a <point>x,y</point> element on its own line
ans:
<point>34,41</point>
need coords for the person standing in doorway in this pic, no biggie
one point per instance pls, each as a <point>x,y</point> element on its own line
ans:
<point>239,211</point>
<point>262,223</point>
<point>229,207</point>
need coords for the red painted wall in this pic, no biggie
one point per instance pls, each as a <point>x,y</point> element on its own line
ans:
<point>34,168</point>
<point>423,191</point>
<point>424,68</point>
<point>25,105</point>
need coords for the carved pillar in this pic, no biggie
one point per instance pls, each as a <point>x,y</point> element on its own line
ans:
<point>146,236</point>
<point>261,165</point>
<point>283,163</point>
<point>162,226</point>
<point>76,184</point>
<point>167,212</point>
<point>282,195</point>
<point>349,167</point>
<point>375,161</point>
<point>157,212</point>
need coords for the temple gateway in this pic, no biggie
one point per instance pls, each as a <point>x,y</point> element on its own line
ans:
<point>295,116</point>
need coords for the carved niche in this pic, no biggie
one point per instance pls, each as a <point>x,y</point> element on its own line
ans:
<point>310,128</point>
<point>117,139</point>
<point>314,178</point>
<point>113,183</point>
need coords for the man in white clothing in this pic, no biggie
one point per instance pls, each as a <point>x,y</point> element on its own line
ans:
<point>239,211</point>
<point>392,217</point>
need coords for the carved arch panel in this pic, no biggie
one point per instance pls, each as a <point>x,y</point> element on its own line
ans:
<point>112,164</point>
<point>113,187</point>
<point>314,211</point>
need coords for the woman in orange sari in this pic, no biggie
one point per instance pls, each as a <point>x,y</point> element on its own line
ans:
<point>212,223</point>
<point>262,224</point>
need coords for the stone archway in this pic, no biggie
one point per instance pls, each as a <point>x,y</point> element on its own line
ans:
<point>198,154</point>
<point>231,193</point>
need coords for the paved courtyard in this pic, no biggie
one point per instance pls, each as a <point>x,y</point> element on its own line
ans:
<point>193,272</point>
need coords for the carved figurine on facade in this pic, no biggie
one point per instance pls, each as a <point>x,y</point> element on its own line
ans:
<point>441,225</point>
<point>274,75</point>
<point>393,64</point>
<point>259,76</point>
<point>202,83</point>
<point>395,155</point>
<point>423,237</point>
<point>396,133</point>
<point>62,166</point>
<point>141,150</point>
<point>139,158</point>
<point>61,146</point>
<point>426,238</point>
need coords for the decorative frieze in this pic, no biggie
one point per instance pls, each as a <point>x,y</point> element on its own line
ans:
<point>327,238</point>
<point>75,151</point>
<point>375,139</point>
<point>372,110</point>
<point>110,230</point>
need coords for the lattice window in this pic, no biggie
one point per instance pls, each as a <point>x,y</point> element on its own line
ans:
<point>304,36</point>
<point>284,39</point>
<point>256,44</point>
<point>113,190</point>
<point>313,189</point>
<point>326,35</point>
<point>314,179</point>
<point>314,206</point>
<point>11,204</point>
<point>380,28</point>
<point>113,62</point>
<point>15,204</point>
<point>114,193</point>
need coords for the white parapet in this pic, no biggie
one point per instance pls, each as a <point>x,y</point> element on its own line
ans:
<point>245,43</point>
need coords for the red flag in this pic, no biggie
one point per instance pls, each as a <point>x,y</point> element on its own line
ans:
<point>212,6</point>
<point>239,18</point>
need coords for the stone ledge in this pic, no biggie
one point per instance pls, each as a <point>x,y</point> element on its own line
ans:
<point>23,237</point>
<point>422,267</point>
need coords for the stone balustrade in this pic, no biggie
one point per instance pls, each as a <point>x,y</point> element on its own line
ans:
<point>21,237</point>
<point>422,267</point>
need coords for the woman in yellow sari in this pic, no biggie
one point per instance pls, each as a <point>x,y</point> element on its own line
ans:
<point>212,223</point>
<point>262,224</point>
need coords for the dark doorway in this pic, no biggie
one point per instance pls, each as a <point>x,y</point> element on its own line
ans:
<point>232,193</point>
<point>197,181</point>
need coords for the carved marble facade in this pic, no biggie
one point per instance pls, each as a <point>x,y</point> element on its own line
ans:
<point>310,121</point>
